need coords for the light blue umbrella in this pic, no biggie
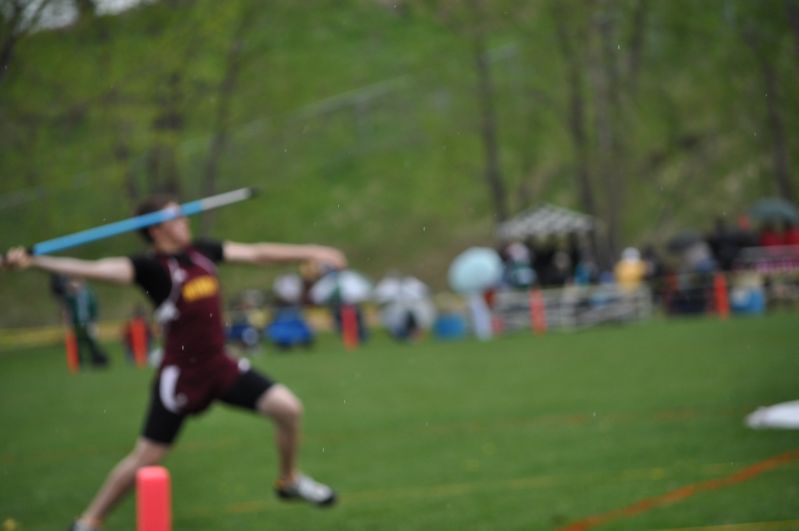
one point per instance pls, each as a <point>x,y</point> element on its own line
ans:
<point>475,270</point>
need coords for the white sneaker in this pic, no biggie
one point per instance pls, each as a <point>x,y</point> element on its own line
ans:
<point>305,488</point>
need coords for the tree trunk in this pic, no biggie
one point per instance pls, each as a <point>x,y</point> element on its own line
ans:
<point>792,12</point>
<point>636,44</point>
<point>86,9</point>
<point>616,170</point>
<point>7,54</point>
<point>488,126</point>
<point>224,97</point>
<point>13,30</point>
<point>167,125</point>
<point>604,81</point>
<point>16,27</point>
<point>775,121</point>
<point>577,115</point>
<point>776,125</point>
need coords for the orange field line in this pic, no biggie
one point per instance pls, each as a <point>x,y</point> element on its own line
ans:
<point>684,492</point>
<point>746,526</point>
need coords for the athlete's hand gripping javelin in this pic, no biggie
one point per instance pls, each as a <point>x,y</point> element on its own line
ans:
<point>116,270</point>
<point>16,258</point>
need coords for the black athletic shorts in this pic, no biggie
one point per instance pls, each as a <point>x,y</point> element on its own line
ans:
<point>162,425</point>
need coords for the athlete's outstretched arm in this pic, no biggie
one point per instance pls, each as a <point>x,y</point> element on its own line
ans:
<point>270,253</point>
<point>117,270</point>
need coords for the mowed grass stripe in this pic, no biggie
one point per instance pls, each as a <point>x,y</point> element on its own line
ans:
<point>520,433</point>
<point>657,474</point>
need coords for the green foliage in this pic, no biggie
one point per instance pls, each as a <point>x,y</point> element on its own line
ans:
<point>359,119</point>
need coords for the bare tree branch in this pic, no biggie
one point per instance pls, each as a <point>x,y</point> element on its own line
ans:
<point>15,27</point>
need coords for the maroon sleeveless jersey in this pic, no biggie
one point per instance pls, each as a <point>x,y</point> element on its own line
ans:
<point>185,291</point>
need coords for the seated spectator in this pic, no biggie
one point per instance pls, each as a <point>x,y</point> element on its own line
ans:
<point>744,235</point>
<point>519,273</point>
<point>542,257</point>
<point>790,234</point>
<point>724,244</point>
<point>585,271</point>
<point>655,268</point>
<point>560,270</point>
<point>698,258</point>
<point>769,237</point>
<point>629,270</point>
<point>288,327</point>
<point>406,309</point>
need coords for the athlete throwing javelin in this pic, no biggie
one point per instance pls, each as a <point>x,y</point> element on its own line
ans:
<point>179,275</point>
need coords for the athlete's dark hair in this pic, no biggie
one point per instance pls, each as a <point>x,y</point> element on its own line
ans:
<point>152,204</point>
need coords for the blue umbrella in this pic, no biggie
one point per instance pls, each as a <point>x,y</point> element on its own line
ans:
<point>684,239</point>
<point>774,209</point>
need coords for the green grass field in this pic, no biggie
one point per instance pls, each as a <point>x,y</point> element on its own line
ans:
<point>521,433</point>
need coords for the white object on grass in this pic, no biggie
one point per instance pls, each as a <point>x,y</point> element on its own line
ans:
<point>336,287</point>
<point>784,415</point>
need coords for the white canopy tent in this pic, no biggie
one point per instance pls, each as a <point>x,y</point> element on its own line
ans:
<point>544,221</point>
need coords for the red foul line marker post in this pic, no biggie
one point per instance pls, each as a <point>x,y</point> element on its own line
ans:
<point>71,343</point>
<point>153,499</point>
<point>721,297</point>
<point>349,326</point>
<point>138,337</point>
<point>538,311</point>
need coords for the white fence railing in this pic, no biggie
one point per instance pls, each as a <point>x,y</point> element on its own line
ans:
<point>571,307</point>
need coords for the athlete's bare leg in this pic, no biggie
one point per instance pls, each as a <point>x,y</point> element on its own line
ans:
<point>285,409</point>
<point>121,479</point>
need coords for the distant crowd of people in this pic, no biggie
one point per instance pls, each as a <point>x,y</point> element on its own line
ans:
<point>568,260</point>
<point>405,304</point>
<point>771,235</point>
<point>727,241</point>
<point>551,262</point>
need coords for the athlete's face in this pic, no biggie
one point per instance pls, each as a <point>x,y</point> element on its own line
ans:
<point>174,234</point>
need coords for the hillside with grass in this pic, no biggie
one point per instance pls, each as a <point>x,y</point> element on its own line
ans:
<point>401,132</point>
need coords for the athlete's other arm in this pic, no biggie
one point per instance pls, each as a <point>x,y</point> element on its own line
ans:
<point>271,253</point>
<point>118,270</point>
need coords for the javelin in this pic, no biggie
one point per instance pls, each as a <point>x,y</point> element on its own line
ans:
<point>139,222</point>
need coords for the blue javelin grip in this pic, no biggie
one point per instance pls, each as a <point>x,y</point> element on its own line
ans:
<point>139,222</point>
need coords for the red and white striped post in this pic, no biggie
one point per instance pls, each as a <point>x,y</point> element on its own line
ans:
<point>153,499</point>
